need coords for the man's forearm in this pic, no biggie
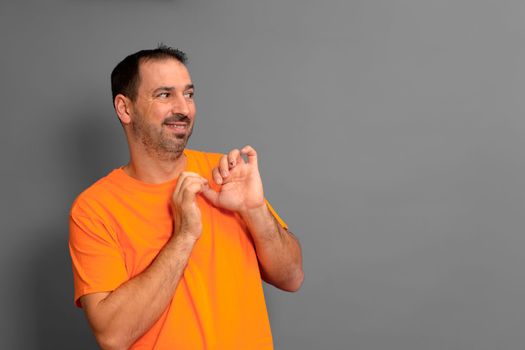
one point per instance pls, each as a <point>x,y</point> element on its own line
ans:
<point>128,312</point>
<point>278,251</point>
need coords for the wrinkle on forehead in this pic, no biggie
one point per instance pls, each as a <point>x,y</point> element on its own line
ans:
<point>155,73</point>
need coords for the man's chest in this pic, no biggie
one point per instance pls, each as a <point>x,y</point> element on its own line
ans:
<point>143,232</point>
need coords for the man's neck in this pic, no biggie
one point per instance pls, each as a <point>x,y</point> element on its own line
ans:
<point>155,171</point>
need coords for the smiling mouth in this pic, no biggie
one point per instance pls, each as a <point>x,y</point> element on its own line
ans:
<point>177,126</point>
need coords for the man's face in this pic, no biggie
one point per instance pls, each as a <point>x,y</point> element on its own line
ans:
<point>163,112</point>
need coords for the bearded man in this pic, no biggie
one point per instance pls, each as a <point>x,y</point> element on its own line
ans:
<point>169,250</point>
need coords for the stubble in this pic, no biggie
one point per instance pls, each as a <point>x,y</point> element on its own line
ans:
<point>160,142</point>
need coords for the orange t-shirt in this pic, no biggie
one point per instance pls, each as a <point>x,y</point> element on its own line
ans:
<point>118,226</point>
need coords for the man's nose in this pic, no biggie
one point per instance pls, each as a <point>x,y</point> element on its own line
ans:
<point>180,106</point>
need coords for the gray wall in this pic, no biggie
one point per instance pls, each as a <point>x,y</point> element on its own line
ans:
<point>390,135</point>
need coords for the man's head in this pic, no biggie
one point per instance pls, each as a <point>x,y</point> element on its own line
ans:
<point>125,76</point>
<point>153,97</point>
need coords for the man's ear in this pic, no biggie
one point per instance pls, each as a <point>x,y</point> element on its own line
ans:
<point>122,106</point>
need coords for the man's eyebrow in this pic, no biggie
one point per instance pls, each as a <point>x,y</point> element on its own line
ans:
<point>171,88</point>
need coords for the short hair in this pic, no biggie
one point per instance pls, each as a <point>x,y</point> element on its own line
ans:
<point>125,76</point>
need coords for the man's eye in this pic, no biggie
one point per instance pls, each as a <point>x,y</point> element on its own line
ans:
<point>164,94</point>
<point>189,94</point>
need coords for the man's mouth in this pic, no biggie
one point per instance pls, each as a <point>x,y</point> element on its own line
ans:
<point>177,126</point>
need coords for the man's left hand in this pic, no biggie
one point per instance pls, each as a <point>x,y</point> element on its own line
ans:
<point>241,186</point>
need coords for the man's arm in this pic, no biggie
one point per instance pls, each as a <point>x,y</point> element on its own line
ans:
<point>120,317</point>
<point>278,251</point>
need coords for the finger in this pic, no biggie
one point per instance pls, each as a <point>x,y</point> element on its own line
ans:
<point>184,180</point>
<point>190,190</point>
<point>181,178</point>
<point>216,174</point>
<point>176,196</point>
<point>176,191</point>
<point>190,180</point>
<point>210,195</point>
<point>233,157</point>
<point>223,167</point>
<point>250,152</point>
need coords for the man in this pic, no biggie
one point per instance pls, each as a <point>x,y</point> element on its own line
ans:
<point>168,251</point>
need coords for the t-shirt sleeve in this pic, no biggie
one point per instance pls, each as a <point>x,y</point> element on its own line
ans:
<point>98,263</point>
<point>276,216</point>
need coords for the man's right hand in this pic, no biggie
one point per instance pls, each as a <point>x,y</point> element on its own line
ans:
<point>118,318</point>
<point>186,212</point>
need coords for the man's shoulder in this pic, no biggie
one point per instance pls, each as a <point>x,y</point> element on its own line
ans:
<point>93,194</point>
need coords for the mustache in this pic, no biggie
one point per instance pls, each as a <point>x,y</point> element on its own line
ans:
<point>177,118</point>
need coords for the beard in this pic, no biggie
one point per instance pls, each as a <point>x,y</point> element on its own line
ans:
<point>161,142</point>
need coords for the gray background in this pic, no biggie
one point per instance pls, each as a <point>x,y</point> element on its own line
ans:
<point>391,137</point>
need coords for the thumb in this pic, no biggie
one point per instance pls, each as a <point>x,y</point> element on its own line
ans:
<point>210,195</point>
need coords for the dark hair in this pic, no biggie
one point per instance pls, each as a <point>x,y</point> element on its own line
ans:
<point>125,76</point>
